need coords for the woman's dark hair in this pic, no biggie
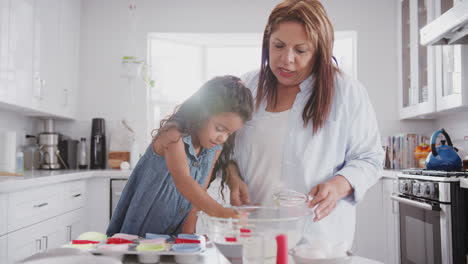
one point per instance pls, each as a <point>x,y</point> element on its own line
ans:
<point>218,95</point>
<point>312,15</point>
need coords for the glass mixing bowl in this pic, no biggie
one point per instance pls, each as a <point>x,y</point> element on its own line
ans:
<point>252,238</point>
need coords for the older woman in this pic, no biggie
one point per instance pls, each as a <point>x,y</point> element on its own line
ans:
<point>314,129</point>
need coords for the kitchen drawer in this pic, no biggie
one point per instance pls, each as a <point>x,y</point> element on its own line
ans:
<point>34,205</point>
<point>33,239</point>
<point>3,214</point>
<point>74,195</point>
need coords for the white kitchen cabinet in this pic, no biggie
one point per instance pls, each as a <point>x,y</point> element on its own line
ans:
<point>46,70</point>
<point>98,204</point>
<point>40,40</point>
<point>3,214</point>
<point>3,249</point>
<point>20,55</point>
<point>74,195</point>
<point>69,59</point>
<point>452,70</point>
<point>73,224</point>
<point>30,240</point>
<point>417,63</point>
<point>392,227</point>
<point>4,25</point>
<point>32,206</point>
<point>369,237</point>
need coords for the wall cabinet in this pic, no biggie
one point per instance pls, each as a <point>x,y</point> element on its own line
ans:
<point>416,62</point>
<point>452,70</point>
<point>42,43</point>
<point>433,79</point>
<point>4,27</point>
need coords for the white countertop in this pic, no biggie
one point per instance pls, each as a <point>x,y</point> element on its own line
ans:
<point>37,178</point>
<point>391,174</point>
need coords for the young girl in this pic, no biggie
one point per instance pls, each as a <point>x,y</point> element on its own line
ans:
<point>185,154</point>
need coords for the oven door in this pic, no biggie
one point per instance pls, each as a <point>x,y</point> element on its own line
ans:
<point>425,232</point>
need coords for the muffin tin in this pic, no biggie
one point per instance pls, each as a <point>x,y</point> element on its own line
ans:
<point>185,248</point>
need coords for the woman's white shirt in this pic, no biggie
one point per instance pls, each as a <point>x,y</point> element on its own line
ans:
<point>348,145</point>
<point>264,147</point>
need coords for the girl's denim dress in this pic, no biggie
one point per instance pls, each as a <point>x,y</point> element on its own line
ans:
<point>150,201</point>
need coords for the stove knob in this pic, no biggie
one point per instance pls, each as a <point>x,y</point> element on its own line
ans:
<point>416,189</point>
<point>429,190</point>
<point>406,187</point>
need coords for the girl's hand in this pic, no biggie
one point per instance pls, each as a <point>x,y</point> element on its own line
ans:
<point>227,213</point>
<point>327,194</point>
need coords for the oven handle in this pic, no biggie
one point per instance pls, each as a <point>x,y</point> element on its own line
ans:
<point>421,205</point>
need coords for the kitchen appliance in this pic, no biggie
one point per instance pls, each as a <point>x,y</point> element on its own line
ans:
<point>433,213</point>
<point>68,149</point>
<point>32,153</point>
<point>98,144</point>
<point>48,141</point>
<point>253,239</point>
<point>443,157</point>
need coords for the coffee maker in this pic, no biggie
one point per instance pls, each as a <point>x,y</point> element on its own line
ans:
<point>48,142</point>
<point>98,144</point>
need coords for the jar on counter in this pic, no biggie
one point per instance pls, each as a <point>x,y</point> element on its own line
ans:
<point>420,154</point>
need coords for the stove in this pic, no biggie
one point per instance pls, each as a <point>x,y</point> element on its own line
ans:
<point>433,212</point>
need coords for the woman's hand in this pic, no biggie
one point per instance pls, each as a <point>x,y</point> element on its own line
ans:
<point>239,192</point>
<point>327,194</point>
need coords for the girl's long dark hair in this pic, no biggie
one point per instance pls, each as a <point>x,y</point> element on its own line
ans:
<point>218,95</point>
<point>312,15</point>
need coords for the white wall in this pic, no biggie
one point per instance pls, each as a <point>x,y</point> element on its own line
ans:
<point>10,121</point>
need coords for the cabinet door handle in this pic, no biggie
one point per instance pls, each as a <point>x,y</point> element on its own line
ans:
<point>38,245</point>
<point>46,242</point>
<point>76,195</point>
<point>69,230</point>
<point>41,92</point>
<point>40,205</point>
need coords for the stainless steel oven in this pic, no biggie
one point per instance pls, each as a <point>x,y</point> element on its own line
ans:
<point>433,218</point>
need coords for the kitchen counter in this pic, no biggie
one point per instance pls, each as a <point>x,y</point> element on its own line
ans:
<point>391,174</point>
<point>37,178</point>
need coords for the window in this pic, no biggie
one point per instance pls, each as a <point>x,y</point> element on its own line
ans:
<point>180,63</point>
